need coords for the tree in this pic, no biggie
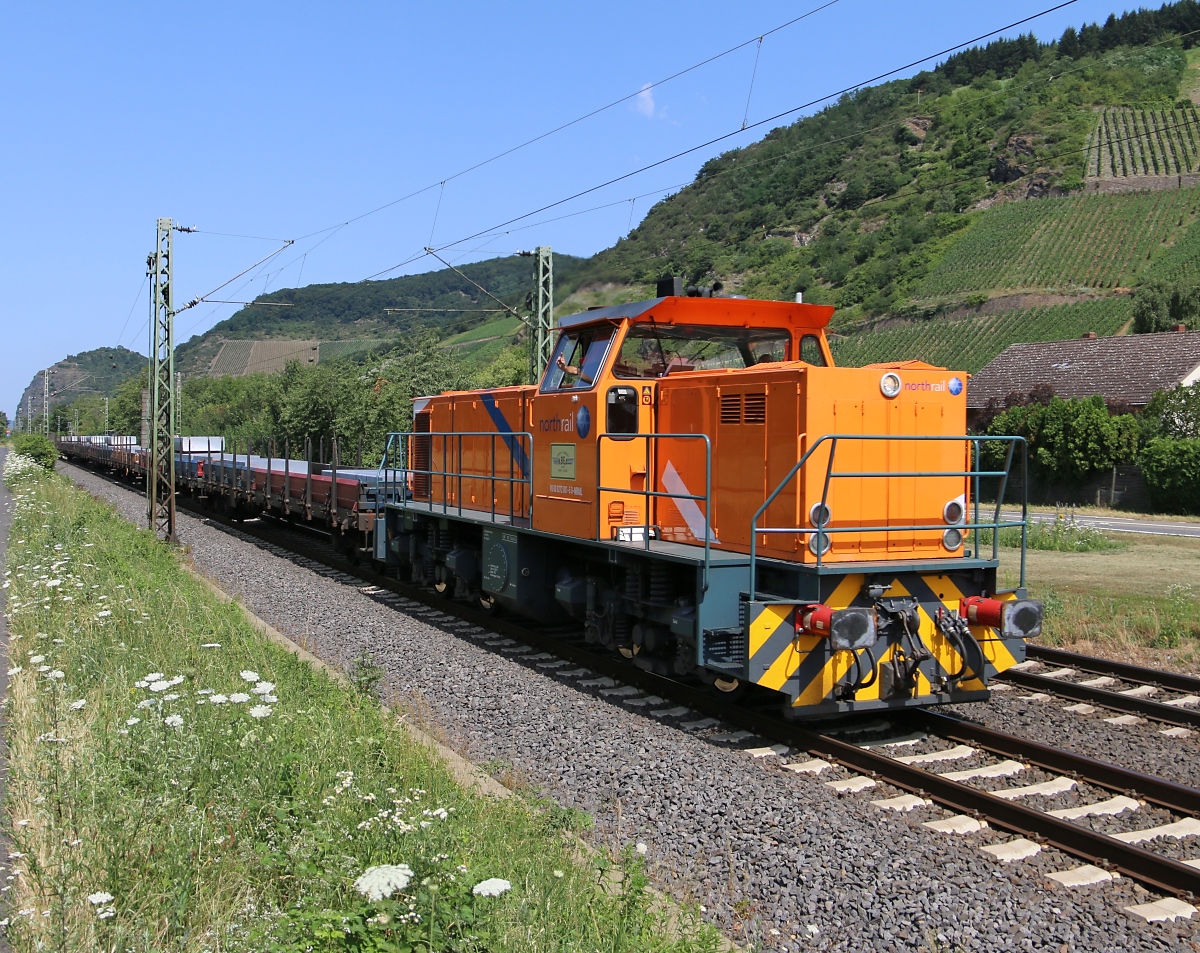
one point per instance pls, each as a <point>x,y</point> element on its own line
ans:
<point>1173,413</point>
<point>3,423</point>
<point>1161,307</point>
<point>1068,46</point>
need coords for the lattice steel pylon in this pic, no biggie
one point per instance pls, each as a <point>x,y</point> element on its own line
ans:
<point>541,338</point>
<point>160,476</point>
<point>46,402</point>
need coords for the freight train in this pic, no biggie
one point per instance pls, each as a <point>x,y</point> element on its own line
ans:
<point>696,486</point>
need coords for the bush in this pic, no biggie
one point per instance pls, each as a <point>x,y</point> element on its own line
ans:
<point>1069,440</point>
<point>36,446</point>
<point>1172,470</point>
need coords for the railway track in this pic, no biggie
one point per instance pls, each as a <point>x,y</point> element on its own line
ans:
<point>1131,690</point>
<point>970,795</point>
<point>971,806</point>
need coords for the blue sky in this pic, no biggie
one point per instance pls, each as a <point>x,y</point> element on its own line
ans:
<point>283,120</point>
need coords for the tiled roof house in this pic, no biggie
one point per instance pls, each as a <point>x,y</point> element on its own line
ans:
<point>1123,369</point>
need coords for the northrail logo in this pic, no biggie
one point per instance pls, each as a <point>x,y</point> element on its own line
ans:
<point>580,423</point>
<point>955,386</point>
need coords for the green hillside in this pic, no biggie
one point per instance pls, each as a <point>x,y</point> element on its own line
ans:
<point>968,343</point>
<point>1087,242</point>
<point>91,374</point>
<point>1158,141</point>
<point>998,173</point>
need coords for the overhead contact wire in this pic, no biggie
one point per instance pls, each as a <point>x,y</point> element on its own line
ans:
<point>762,122</point>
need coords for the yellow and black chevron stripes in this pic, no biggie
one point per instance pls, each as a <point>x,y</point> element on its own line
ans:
<point>806,668</point>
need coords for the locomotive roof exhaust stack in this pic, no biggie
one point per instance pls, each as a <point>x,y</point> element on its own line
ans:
<point>673,288</point>
<point>670,287</point>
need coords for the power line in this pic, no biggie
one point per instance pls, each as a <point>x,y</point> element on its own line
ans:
<point>755,125</point>
<point>500,227</point>
<point>588,115</point>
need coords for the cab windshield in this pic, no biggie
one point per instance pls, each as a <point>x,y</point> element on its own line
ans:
<point>577,359</point>
<point>656,350</point>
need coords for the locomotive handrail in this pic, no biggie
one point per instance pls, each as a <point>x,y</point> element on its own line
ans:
<point>706,497</point>
<point>971,476</point>
<point>521,441</point>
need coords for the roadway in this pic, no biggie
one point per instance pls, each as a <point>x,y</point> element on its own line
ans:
<point>1121,524</point>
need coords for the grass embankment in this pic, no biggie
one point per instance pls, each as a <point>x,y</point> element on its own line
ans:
<point>1130,597</point>
<point>178,782</point>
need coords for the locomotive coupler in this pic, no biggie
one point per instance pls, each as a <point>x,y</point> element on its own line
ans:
<point>899,624</point>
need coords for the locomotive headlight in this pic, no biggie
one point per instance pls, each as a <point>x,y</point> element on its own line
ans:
<point>819,543</point>
<point>952,539</point>
<point>889,384</point>
<point>819,514</point>
<point>954,511</point>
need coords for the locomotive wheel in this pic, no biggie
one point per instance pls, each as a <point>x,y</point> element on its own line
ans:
<point>444,589</point>
<point>727,685</point>
<point>487,602</point>
<point>629,651</point>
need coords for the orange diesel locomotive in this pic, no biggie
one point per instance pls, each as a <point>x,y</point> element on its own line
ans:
<point>699,486</point>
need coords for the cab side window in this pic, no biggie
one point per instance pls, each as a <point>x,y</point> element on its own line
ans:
<point>810,350</point>
<point>622,410</point>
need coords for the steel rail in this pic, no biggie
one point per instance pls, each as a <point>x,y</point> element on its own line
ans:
<point>1176,681</point>
<point>1162,873</point>
<point>1153,870</point>
<point>1104,698</point>
<point>1168,794</point>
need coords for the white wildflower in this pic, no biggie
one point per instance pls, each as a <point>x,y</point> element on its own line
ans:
<point>133,721</point>
<point>270,699</point>
<point>263,688</point>
<point>154,677</point>
<point>160,686</point>
<point>103,613</point>
<point>249,676</point>
<point>641,849</point>
<point>205,691</point>
<point>559,874</point>
<point>492,887</point>
<point>14,670</point>
<point>147,703</point>
<point>378,883</point>
<point>260,711</point>
<point>53,583</point>
<point>218,700</point>
<point>43,668</point>
<point>173,721</point>
<point>57,673</point>
<point>105,912</point>
<point>37,659</point>
<point>142,683</point>
<point>177,680</point>
<point>99,898</point>
<point>211,645</point>
<point>75,706</point>
<point>238,697</point>
<point>170,698</point>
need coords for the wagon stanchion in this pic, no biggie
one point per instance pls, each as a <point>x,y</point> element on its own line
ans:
<point>308,448</point>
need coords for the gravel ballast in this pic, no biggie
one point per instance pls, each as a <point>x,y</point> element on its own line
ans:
<point>775,857</point>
